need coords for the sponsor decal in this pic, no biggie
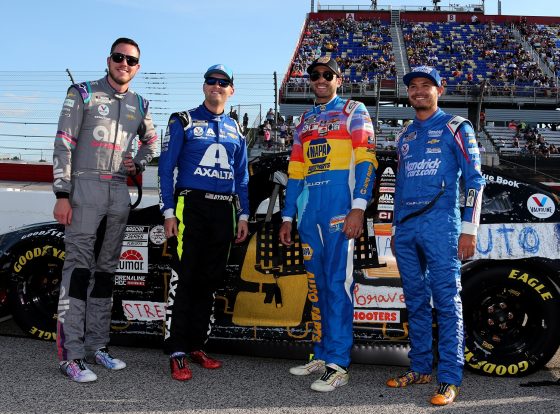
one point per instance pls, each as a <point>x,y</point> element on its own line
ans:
<point>170,302</point>
<point>541,206</point>
<point>470,197</point>
<point>433,141</point>
<point>382,297</point>
<point>102,99</point>
<point>385,199</point>
<point>141,310</point>
<point>336,223</point>
<point>50,232</point>
<point>500,180</point>
<point>130,117</point>
<point>410,137</point>
<point>490,368</point>
<point>131,108</point>
<point>433,150</point>
<point>404,149</point>
<point>388,173</point>
<point>133,260</point>
<point>231,128</point>
<point>317,183</point>
<point>532,282</point>
<point>210,132</point>
<point>200,124</point>
<point>129,280</point>
<point>103,110</point>
<point>198,131</point>
<point>435,133</point>
<point>517,241</point>
<point>214,163</point>
<point>421,168</point>
<point>313,297</point>
<point>69,102</point>
<point>385,207</point>
<point>373,316</point>
<point>386,189</point>
<point>318,151</point>
<point>157,235</point>
<point>385,215</point>
<point>307,251</point>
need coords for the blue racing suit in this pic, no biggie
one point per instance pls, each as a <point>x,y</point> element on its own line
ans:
<point>331,171</point>
<point>210,154</point>
<point>433,155</point>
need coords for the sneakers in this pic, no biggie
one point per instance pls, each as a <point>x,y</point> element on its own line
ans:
<point>334,377</point>
<point>445,394</point>
<point>103,357</point>
<point>180,370</point>
<point>201,358</point>
<point>77,370</point>
<point>408,378</point>
<point>315,365</point>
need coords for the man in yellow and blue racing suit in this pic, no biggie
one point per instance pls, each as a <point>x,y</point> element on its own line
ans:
<point>331,178</point>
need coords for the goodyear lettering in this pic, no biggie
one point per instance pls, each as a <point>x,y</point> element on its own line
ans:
<point>37,252</point>
<point>531,281</point>
<point>38,333</point>
<point>490,368</point>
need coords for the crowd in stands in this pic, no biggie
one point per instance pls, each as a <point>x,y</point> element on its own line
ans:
<point>362,48</point>
<point>545,39</point>
<point>528,139</point>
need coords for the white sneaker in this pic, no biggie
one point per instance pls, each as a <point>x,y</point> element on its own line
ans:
<point>315,365</point>
<point>333,377</point>
<point>103,357</point>
<point>77,370</point>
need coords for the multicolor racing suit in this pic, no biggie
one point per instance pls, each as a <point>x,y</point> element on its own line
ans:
<point>331,171</point>
<point>211,155</point>
<point>432,155</point>
<point>95,131</point>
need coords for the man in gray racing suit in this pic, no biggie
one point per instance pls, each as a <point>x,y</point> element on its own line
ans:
<point>91,161</point>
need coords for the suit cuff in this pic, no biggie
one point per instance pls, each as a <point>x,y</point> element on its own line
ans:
<point>169,213</point>
<point>469,228</point>
<point>360,203</point>
<point>286,218</point>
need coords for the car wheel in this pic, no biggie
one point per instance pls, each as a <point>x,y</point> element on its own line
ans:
<point>511,320</point>
<point>35,286</point>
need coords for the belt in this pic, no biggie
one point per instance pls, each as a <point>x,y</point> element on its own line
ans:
<point>96,175</point>
<point>206,195</point>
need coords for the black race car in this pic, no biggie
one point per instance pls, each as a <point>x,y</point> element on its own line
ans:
<point>510,289</point>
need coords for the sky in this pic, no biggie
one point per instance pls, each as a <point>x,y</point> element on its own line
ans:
<point>250,36</point>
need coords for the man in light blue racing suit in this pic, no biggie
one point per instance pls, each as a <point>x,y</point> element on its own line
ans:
<point>429,239</point>
<point>92,158</point>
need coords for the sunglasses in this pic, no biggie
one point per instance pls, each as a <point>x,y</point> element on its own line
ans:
<point>119,57</point>
<point>224,83</point>
<point>328,76</point>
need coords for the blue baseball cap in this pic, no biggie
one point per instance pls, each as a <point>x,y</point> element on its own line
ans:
<point>423,72</point>
<point>221,69</point>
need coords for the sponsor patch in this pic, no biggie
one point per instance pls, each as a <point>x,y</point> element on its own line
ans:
<point>433,150</point>
<point>307,251</point>
<point>470,197</point>
<point>198,131</point>
<point>210,132</point>
<point>410,137</point>
<point>336,223</point>
<point>436,133</point>
<point>423,167</point>
<point>433,141</point>
<point>404,149</point>
<point>103,110</point>
<point>131,108</point>
<point>133,260</point>
<point>69,102</point>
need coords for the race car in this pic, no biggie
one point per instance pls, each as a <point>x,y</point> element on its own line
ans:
<point>511,287</point>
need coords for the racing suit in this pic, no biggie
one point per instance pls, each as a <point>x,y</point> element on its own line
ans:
<point>95,130</point>
<point>331,171</point>
<point>432,155</point>
<point>211,156</point>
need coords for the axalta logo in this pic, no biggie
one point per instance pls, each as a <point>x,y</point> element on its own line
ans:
<point>424,167</point>
<point>318,151</point>
<point>541,206</point>
<point>215,163</point>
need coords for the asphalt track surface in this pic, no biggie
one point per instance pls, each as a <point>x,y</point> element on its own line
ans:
<point>30,382</point>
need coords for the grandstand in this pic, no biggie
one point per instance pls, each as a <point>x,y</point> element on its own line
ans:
<point>497,68</point>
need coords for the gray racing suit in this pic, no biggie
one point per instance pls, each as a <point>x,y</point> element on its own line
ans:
<point>96,129</point>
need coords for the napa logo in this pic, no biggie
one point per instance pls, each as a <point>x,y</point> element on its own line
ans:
<point>318,151</point>
<point>541,206</point>
<point>307,251</point>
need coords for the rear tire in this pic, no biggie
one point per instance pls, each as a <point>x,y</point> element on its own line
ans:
<point>511,320</point>
<point>35,286</point>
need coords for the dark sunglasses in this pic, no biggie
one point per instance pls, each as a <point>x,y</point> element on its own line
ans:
<point>224,83</point>
<point>119,57</point>
<point>328,76</point>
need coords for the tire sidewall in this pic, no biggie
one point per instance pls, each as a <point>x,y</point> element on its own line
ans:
<point>537,304</point>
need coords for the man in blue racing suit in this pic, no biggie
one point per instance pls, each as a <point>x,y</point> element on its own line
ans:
<point>331,176</point>
<point>429,240</point>
<point>210,153</point>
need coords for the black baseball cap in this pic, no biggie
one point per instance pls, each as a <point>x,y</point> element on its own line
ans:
<point>325,61</point>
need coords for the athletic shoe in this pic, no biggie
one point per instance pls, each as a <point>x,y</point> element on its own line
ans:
<point>103,357</point>
<point>180,370</point>
<point>334,377</point>
<point>315,365</point>
<point>77,370</point>
<point>201,358</point>
<point>445,394</point>
<point>408,378</point>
